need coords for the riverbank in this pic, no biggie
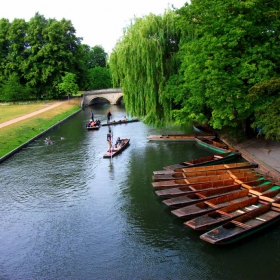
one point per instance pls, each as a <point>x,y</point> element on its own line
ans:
<point>18,132</point>
<point>266,153</point>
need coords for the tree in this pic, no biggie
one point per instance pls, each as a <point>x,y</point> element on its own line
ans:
<point>232,46</point>
<point>4,46</point>
<point>17,46</point>
<point>12,90</point>
<point>92,58</point>
<point>100,78</point>
<point>68,84</point>
<point>141,64</point>
<point>265,97</point>
<point>97,57</point>
<point>53,49</point>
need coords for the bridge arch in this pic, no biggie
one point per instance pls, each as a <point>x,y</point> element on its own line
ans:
<point>111,95</point>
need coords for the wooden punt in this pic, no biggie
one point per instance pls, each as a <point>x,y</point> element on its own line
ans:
<point>184,175</point>
<point>271,195</point>
<point>172,138</point>
<point>218,217</point>
<point>214,145</point>
<point>201,208</point>
<point>208,160</point>
<point>95,127</point>
<point>243,226</point>
<point>116,152</point>
<point>174,192</point>
<point>121,122</point>
<point>237,165</point>
<point>201,179</point>
<point>185,200</point>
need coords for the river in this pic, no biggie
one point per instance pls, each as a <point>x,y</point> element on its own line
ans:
<point>68,213</point>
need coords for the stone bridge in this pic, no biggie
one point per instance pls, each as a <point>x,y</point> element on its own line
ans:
<point>111,95</point>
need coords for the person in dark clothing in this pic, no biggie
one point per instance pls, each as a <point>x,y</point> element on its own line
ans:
<point>119,142</point>
<point>109,115</point>
<point>91,115</point>
<point>109,140</point>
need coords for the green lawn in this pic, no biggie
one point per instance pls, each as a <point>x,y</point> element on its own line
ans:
<point>16,134</point>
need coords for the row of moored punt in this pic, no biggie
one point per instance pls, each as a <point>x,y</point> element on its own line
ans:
<point>225,201</point>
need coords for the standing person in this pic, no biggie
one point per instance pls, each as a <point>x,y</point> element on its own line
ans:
<point>108,116</point>
<point>91,115</point>
<point>109,140</point>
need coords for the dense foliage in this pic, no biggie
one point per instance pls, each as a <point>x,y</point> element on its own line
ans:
<point>36,56</point>
<point>200,63</point>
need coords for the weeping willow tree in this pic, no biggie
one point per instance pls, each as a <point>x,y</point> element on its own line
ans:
<point>142,62</point>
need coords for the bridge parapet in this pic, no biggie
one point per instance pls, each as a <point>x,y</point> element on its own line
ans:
<point>112,95</point>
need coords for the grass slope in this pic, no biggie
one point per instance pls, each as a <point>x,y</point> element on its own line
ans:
<point>16,134</point>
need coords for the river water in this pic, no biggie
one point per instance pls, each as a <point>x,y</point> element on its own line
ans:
<point>67,213</point>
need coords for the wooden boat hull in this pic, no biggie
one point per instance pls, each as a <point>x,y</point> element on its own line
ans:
<point>201,179</point>
<point>185,190</point>
<point>243,226</point>
<point>213,145</point>
<point>176,138</point>
<point>116,152</point>
<point>225,214</point>
<point>207,168</point>
<point>190,199</point>
<point>93,127</point>
<point>120,122</point>
<point>209,160</point>
<point>184,175</point>
<point>201,208</point>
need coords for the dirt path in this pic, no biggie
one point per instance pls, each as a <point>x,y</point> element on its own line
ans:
<point>30,115</point>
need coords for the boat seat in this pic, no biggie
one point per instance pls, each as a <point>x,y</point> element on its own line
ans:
<point>260,219</point>
<point>210,204</point>
<point>241,225</point>
<point>224,213</point>
<point>216,156</point>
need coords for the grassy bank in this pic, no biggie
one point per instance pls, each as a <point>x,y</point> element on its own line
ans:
<point>12,111</point>
<point>16,134</point>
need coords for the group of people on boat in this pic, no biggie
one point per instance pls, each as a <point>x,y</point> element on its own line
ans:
<point>93,123</point>
<point>119,143</point>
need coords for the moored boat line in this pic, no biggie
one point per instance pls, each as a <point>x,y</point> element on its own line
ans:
<point>210,196</point>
